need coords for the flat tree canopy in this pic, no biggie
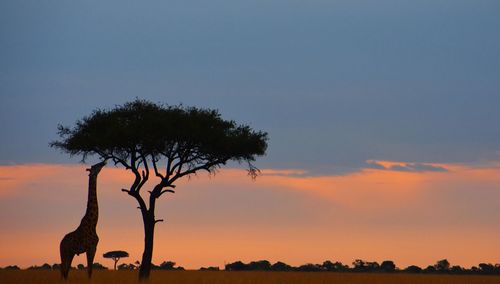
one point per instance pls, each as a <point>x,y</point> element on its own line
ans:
<point>194,137</point>
<point>115,254</point>
<point>174,141</point>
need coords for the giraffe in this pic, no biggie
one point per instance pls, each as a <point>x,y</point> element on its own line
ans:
<point>84,238</point>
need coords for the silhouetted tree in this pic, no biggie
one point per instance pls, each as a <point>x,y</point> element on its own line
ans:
<point>259,265</point>
<point>309,267</point>
<point>413,269</point>
<point>430,269</point>
<point>360,265</point>
<point>334,266</point>
<point>125,266</point>
<point>115,255</point>
<point>210,268</point>
<point>80,266</point>
<point>281,266</point>
<point>497,268</point>
<point>141,135</point>
<point>12,267</point>
<point>456,269</point>
<point>97,265</point>
<point>235,266</point>
<point>167,265</point>
<point>44,266</point>
<point>442,265</point>
<point>372,266</point>
<point>56,266</point>
<point>388,266</point>
<point>487,268</point>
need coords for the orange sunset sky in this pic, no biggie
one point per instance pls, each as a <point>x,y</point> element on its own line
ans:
<point>288,215</point>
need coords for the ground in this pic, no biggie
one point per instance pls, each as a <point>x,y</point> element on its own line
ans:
<point>208,277</point>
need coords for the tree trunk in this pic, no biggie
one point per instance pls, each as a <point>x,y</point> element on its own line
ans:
<point>147,255</point>
<point>116,260</point>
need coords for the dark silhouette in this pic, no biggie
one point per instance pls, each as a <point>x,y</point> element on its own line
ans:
<point>362,266</point>
<point>309,267</point>
<point>44,266</point>
<point>56,266</point>
<point>487,268</point>
<point>259,265</point>
<point>327,266</point>
<point>413,269</point>
<point>281,266</point>
<point>140,135</point>
<point>115,255</point>
<point>169,265</point>
<point>84,239</point>
<point>334,266</point>
<point>430,269</point>
<point>442,265</point>
<point>210,268</point>
<point>388,266</point>
<point>236,266</point>
<point>97,265</point>
<point>125,266</point>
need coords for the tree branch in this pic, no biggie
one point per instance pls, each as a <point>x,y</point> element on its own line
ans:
<point>166,190</point>
<point>158,174</point>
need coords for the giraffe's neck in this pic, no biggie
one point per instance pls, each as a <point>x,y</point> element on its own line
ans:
<point>92,213</point>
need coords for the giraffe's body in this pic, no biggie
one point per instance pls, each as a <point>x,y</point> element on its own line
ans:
<point>84,239</point>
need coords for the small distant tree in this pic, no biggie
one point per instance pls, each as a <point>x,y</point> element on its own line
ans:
<point>169,265</point>
<point>430,269</point>
<point>115,255</point>
<point>487,268</point>
<point>56,266</point>
<point>442,265</point>
<point>236,266</point>
<point>80,266</point>
<point>413,269</point>
<point>359,265</point>
<point>457,269</point>
<point>173,142</point>
<point>125,266</point>
<point>97,265</point>
<point>261,265</point>
<point>281,266</point>
<point>210,268</point>
<point>388,266</point>
<point>310,267</point>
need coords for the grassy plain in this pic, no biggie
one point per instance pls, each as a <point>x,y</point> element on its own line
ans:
<point>209,277</point>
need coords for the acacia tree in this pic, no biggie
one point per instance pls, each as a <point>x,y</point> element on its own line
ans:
<point>115,255</point>
<point>170,141</point>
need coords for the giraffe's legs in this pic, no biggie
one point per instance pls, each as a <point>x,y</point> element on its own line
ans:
<point>90,260</point>
<point>66,259</point>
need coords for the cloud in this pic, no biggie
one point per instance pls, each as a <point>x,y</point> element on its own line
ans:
<point>405,166</point>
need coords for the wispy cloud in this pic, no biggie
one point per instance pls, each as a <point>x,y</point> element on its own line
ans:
<point>405,166</point>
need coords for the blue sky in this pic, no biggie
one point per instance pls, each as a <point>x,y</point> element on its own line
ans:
<point>335,83</point>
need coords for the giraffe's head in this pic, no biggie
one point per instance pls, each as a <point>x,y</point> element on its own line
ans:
<point>95,169</point>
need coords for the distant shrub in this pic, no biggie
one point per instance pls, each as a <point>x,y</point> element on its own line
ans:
<point>413,269</point>
<point>210,268</point>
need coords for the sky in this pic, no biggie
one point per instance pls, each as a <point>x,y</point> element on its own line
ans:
<point>382,117</point>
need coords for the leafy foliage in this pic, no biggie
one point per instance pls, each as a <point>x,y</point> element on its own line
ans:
<point>140,128</point>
